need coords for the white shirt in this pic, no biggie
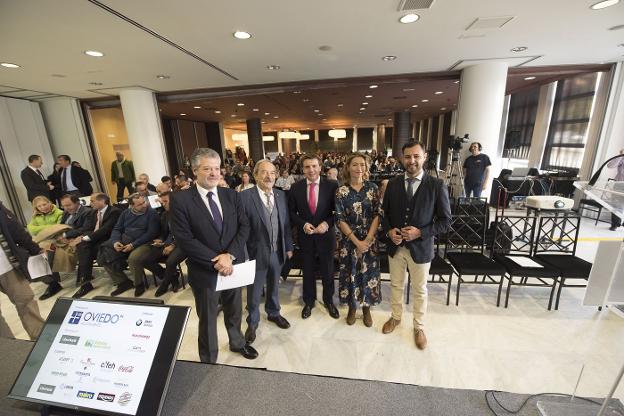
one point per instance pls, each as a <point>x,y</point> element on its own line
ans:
<point>316,190</point>
<point>100,213</point>
<point>215,197</point>
<point>70,184</point>
<point>263,197</point>
<point>5,264</point>
<point>416,183</point>
<point>37,171</point>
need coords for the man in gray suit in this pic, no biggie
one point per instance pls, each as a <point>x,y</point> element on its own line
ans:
<point>270,243</point>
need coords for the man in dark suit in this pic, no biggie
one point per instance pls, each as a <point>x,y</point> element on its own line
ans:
<point>74,179</point>
<point>16,246</point>
<point>416,208</point>
<point>312,203</point>
<point>87,245</point>
<point>33,179</point>
<point>267,211</point>
<point>210,226</point>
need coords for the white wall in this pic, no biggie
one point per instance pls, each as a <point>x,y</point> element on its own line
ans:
<point>22,133</point>
<point>612,134</point>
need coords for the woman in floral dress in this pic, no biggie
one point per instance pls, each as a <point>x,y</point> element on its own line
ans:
<point>358,212</point>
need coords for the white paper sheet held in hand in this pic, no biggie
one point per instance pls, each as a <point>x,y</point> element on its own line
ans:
<point>38,266</point>
<point>243,275</point>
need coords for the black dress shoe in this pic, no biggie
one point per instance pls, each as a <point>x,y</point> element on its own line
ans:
<point>162,289</point>
<point>331,309</point>
<point>306,312</point>
<point>139,290</point>
<point>127,285</point>
<point>84,289</point>
<point>53,289</point>
<point>250,334</point>
<point>247,351</point>
<point>280,321</point>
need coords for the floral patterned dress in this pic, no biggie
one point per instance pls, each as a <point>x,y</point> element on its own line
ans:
<point>358,273</point>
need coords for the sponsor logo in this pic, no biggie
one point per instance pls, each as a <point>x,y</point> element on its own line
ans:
<point>75,317</point>
<point>83,373</point>
<point>125,368</point>
<point>87,363</point>
<point>139,322</point>
<point>100,380</point>
<point>106,397</point>
<point>93,343</point>
<point>148,323</point>
<point>120,384</point>
<point>142,336</point>
<point>101,318</point>
<point>124,398</point>
<point>46,388</point>
<point>69,340</point>
<point>66,387</point>
<point>136,348</point>
<point>85,394</point>
<point>58,373</point>
<point>60,352</point>
<point>107,365</point>
<point>66,360</point>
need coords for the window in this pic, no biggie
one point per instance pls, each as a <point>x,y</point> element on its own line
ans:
<point>520,124</point>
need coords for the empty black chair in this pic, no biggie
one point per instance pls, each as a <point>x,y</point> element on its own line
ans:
<point>556,241</point>
<point>440,268</point>
<point>597,208</point>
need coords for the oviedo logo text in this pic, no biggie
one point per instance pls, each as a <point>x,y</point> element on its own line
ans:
<point>97,317</point>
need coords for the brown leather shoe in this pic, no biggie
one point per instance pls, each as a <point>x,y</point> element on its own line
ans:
<point>368,319</point>
<point>420,339</point>
<point>390,325</point>
<point>351,315</point>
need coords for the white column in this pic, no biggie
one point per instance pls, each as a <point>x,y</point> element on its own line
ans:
<point>144,131</point>
<point>480,109</point>
<point>354,145</point>
<point>375,138</point>
<point>542,123</point>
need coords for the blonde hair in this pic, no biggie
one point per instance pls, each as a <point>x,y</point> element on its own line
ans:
<point>39,199</point>
<point>346,176</point>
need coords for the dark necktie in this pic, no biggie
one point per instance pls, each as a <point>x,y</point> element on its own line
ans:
<point>216,214</point>
<point>410,187</point>
<point>64,180</point>
<point>40,175</point>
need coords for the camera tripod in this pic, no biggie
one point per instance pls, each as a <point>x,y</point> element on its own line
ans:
<point>455,176</point>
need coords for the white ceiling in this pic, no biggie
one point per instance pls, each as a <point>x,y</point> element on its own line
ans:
<point>49,37</point>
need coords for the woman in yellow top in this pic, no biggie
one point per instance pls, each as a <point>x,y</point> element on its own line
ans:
<point>45,213</point>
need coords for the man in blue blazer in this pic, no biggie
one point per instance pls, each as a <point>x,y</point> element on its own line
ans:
<point>416,208</point>
<point>312,204</point>
<point>267,211</point>
<point>210,226</point>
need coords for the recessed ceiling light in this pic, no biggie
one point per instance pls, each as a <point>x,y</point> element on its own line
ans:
<point>196,107</point>
<point>456,82</point>
<point>529,78</point>
<point>363,108</point>
<point>305,100</point>
<point>320,114</point>
<point>182,114</point>
<point>409,18</point>
<point>264,122</point>
<point>296,92</point>
<point>415,105</point>
<point>239,34</point>
<point>368,96</point>
<point>604,4</point>
<point>96,54</point>
<point>389,119</point>
<point>275,116</point>
<point>519,49</point>
<point>316,111</point>
<point>340,105</point>
<point>364,103</point>
<point>163,76</point>
<point>267,114</point>
<point>217,111</point>
<point>425,101</point>
<point>409,89</point>
<point>233,115</point>
<point>443,109</point>
<point>9,65</point>
<point>273,67</point>
<point>373,86</point>
<point>324,119</point>
<point>241,104</point>
<point>388,58</point>
<point>439,92</point>
<point>255,109</point>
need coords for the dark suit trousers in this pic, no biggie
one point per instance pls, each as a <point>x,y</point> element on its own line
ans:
<point>206,301</point>
<point>326,269</point>
<point>152,262</point>
<point>270,276</point>
<point>121,185</point>
<point>55,276</point>
<point>86,252</point>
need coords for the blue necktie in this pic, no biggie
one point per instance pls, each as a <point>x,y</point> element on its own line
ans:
<point>216,214</point>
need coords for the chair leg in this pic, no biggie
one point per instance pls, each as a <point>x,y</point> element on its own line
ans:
<point>559,293</point>
<point>508,290</point>
<point>476,277</point>
<point>448,290</point>
<point>181,276</point>
<point>598,216</point>
<point>552,293</point>
<point>459,279</point>
<point>500,290</point>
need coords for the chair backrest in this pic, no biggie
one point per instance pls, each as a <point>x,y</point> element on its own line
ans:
<point>466,233</point>
<point>557,234</point>
<point>514,234</point>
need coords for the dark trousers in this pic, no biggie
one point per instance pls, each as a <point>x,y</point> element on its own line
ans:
<point>86,252</point>
<point>55,277</point>
<point>270,276</point>
<point>206,301</point>
<point>615,221</point>
<point>121,185</point>
<point>474,188</point>
<point>152,260</point>
<point>326,269</point>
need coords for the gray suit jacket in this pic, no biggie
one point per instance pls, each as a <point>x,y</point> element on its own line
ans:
<point>259,242</point>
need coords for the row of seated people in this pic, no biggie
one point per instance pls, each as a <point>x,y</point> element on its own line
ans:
<point>137,238</point>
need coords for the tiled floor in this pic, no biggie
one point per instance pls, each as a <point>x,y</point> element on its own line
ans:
<point>524,348</point>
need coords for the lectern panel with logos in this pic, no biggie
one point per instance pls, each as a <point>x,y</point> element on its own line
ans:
<point>103,357</point>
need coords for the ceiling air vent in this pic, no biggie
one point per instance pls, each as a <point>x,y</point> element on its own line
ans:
<point>489,22</point>
<point>405,5</point>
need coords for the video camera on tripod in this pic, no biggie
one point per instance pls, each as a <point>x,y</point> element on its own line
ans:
<point>456,143</point>
<point>454,175</point>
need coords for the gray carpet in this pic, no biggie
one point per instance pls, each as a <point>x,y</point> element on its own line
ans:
<point>198,389</point>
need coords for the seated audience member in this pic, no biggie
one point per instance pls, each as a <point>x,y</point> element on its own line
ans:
<point>141,188</point>
<point>332,174</point>
<point>182,183</point>
<point>222,183</point>
<point>167,180</point>
<point>229,178</point>
<point>144,178</point>
<point>45,213</point>
<point>87,245</point>
<point>16,246</point>
<point>245,182</point>
<point>163,187</point>
<point>164,249</point>
<point>129,242</point>
<point>285,181</point>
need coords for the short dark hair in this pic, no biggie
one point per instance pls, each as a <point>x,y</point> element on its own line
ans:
<point>32,158</point>
<point>166,193</point>
<point>309,156</point>
<point>137,183</point>
<point>412,143</point>
<point>64,157</point>
<point>165,179</point>
<point>74,198</point>
<point>133,197</point>
<point>100,196</point>
<point>182,178</point>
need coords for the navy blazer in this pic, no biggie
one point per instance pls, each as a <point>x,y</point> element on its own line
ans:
<point>429,210</point>
<point>197,236</point>
<point>106,227</point>
<point>325,207</point>
<point>259,246</point>
<point>83,224</point>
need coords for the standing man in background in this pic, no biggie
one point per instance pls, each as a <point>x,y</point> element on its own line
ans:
<point>122,174</point>
<point>33,179</point>
<point>74,179</point>
<point>476,171</point>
